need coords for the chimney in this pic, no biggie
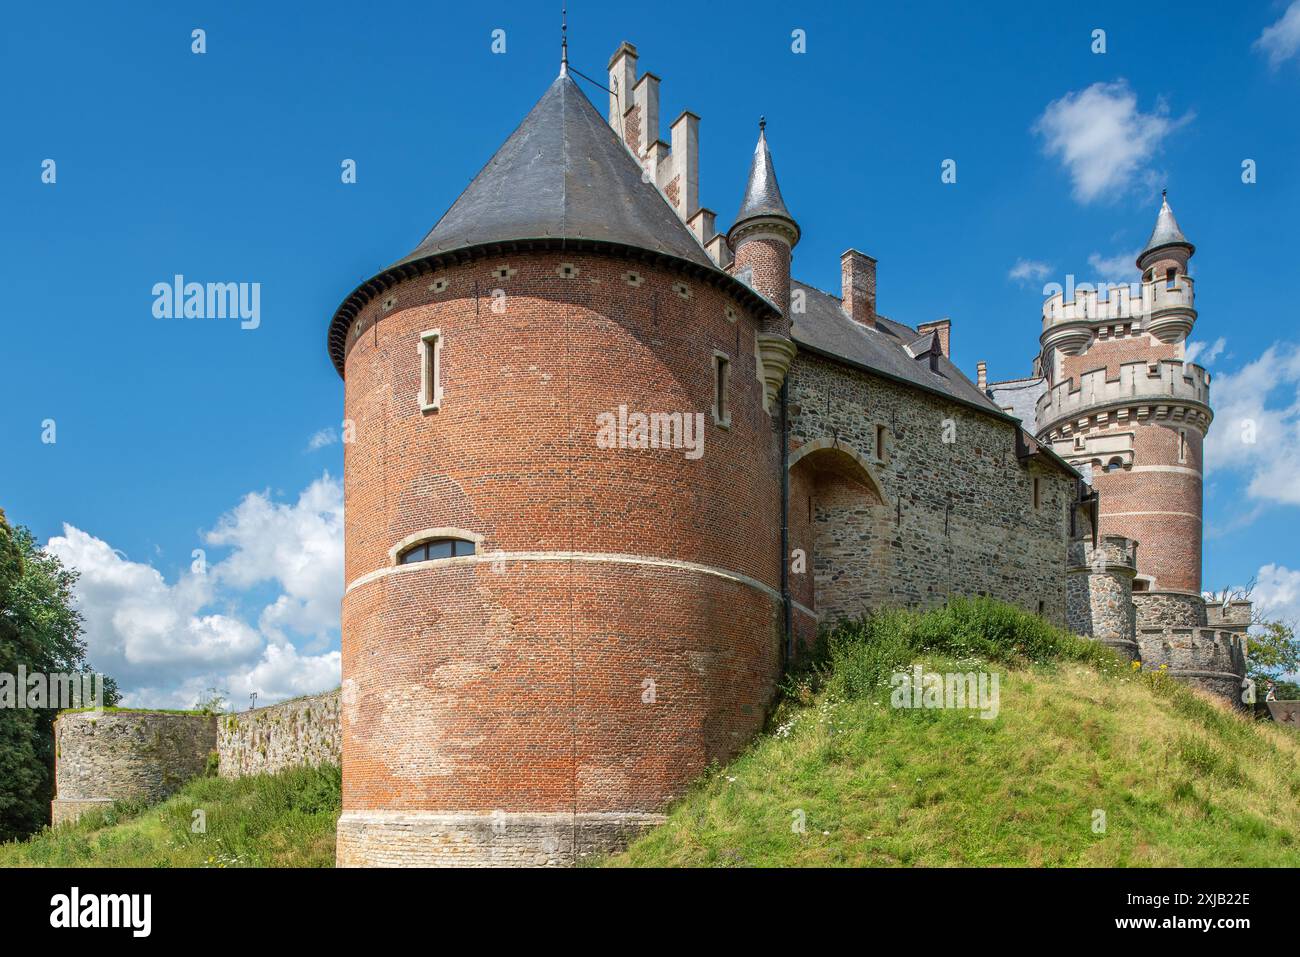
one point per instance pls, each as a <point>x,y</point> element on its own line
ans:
<point>622,77</point>
<point>645,96</point>
<point>686,163</point>
<point>941,326</point>
<point>982,376</point>
<point>858,286</point>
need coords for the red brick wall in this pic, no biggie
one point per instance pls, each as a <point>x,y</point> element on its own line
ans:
<point>1169,536</point>
<point>769,259</point>
<point>520,686</point>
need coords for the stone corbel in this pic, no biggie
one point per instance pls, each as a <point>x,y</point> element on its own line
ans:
<point>775,353</point>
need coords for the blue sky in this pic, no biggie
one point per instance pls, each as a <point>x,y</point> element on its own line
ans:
<point>175,435</point>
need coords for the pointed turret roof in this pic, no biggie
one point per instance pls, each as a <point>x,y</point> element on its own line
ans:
<point>762,194</point>
<point>1166,232</point>
<point>562,179</point>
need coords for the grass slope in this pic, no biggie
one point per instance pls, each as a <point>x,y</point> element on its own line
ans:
<point>266,820</point>
<point>1182,781</point>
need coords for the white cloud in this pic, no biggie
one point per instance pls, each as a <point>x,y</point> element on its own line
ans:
<point>299,547</point>
<point>1120,267</point>
<point>165,643</point>
<point>1281,40</point>
<point>1277,593</point>
<point>1204,353</point>
<point>1103,139</point>
<point>321,439</point>
<point>1027,269</point>
<point>1253,434</point>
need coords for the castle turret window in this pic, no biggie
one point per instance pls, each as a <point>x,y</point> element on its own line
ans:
<point>437,548</point>
<point>430,370</point>
<point>721,385</point>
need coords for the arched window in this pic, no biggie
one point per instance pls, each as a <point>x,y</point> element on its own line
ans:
<point>1114,465</point>
<point>436,548</point>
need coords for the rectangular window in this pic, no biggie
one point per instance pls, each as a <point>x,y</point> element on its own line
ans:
<point>430,370</point>
<point>1038,492</point>
<point>1182,445</point>
<point>721,386</point>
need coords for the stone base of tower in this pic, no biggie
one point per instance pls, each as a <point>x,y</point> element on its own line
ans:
<point>494,839</point>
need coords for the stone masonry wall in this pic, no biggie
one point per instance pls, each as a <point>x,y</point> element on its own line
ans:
<point>301,731</point>
<point>1100,592</point>
<point>103,757</point>
<point>956,518</point>
<point>1169,609</point>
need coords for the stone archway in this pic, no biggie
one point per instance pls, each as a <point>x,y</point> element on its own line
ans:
<point>839,517</point>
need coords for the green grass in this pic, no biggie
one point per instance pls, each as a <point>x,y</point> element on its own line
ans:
<point>1181,780</point>
<point>267,820</point>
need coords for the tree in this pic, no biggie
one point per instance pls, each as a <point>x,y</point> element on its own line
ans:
<point>41,632</point>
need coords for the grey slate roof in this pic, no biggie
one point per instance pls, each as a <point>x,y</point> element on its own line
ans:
<point>762,194</point>
<point>1020,396</point>
<point>1166,232</point>
<point>563,179</point>
<point>824,327</point>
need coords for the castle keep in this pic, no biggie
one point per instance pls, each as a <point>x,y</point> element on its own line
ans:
<point>547,636</point>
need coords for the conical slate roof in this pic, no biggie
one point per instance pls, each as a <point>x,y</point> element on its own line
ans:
<point>563,179</point>
<point>562,173</point>
<point>1166,232</point>
<point>762,194</point>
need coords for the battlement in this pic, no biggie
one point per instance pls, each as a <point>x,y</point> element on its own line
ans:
<point>1122,302</point>
<point>1170,388</point>
<point>1211,659</point>
<point>1113,554</point>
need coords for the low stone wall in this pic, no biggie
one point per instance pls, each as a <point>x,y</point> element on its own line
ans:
<point>495,839</point>
<point>107,756</point>
<point>1169,609</point>
<point>1214,661</point>
<point>301,731</point>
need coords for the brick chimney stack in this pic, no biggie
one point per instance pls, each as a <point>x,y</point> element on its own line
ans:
<point>944,328</point>
<point>858,286</point>
<point>982,376</point>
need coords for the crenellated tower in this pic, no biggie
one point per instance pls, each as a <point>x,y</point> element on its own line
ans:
<point>1122,401</point>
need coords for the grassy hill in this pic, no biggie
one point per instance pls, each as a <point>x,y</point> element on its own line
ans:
<point>1181,780</point>
<point>267,820</point>
<point>844,778</point>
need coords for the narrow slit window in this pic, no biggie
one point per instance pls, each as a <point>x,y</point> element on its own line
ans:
<point>1171,279</point>
<point>431,370</point>
<point>1182,445</point>
<point>880,442</point>
<point>1038,492</point>
<point>721,384</point>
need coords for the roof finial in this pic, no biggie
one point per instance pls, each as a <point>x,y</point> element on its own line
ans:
<point>1164,193</point>
<point>564,39</point>
<point>762,123</point>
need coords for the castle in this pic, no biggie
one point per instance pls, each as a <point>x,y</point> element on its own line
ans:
<point>547,636</point>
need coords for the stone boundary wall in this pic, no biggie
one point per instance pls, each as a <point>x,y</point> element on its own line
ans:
<point>300,731</point>
<point>107,756</point>
<point>1169,609</point>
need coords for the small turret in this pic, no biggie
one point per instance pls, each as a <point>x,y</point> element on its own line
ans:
<point>761,238</point>
<point>764,232</point>
<point>1166,253</point>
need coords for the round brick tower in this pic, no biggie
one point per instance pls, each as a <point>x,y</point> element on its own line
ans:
<point>1122,400</point>
<point>562,514</point>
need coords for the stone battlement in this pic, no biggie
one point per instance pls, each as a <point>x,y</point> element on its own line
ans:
<point>1120,303</point>
<point>1170,388</point>
<point>1213,660</point>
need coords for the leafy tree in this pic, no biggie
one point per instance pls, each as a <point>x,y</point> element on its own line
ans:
<point>41,631</point>
<point>214,700</point>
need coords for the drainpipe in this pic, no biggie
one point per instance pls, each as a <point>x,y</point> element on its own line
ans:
<point>788,608</point>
